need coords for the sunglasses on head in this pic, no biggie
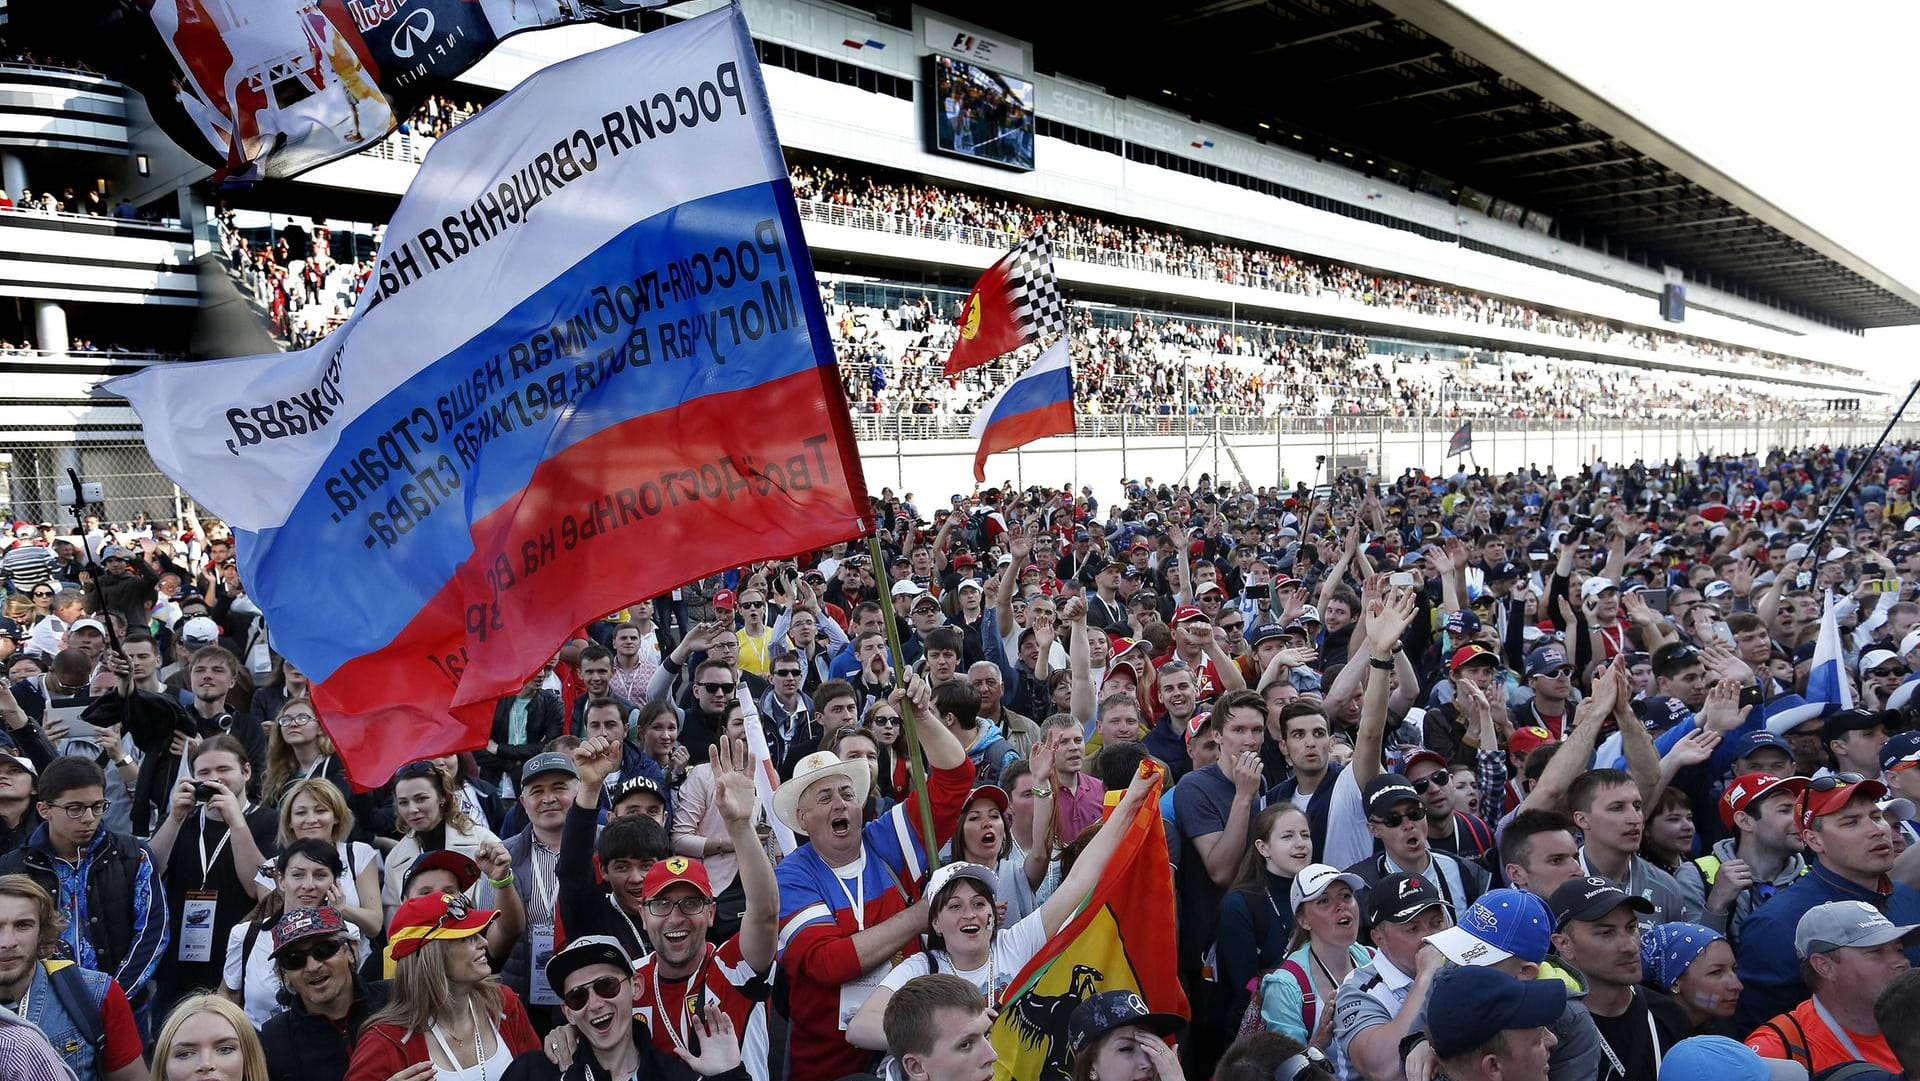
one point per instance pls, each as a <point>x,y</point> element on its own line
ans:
<point>605,987</point>
<point>1394,819</point>
<point>296,959</point>
<point>1832,781</point>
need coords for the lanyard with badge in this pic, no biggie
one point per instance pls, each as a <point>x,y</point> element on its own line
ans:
<point>1613,1057</point>
<point>197,915</point>
<point>540,935</point>
<point>692,1001</point>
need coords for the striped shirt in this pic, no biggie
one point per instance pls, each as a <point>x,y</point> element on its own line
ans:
<point>28,565</point>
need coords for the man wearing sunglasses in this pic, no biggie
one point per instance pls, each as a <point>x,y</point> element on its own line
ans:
<point>686,975</point>
<point>313,1038</point>
<point>594,980</point>
<point>1397,818</point>
<point>1850,846</point>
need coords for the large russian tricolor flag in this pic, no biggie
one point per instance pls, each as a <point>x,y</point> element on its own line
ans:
<point>591,366</point>
<point>1037,404</point>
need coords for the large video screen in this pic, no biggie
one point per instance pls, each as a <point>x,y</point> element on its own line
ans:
<point>980,114</point>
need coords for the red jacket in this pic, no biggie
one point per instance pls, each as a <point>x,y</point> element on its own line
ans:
<point>385,1050</point>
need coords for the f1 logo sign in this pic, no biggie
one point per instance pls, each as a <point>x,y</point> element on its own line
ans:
<point>413,31</point>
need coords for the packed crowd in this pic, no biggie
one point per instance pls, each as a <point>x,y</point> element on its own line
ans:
<point>1600,777</point>
<point>84,346</point>
<point>304,292</point>
<point>891,361</point>
<point>916,205</point>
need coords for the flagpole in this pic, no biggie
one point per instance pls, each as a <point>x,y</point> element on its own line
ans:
<point>909,720</point>
<point>1813,542</point>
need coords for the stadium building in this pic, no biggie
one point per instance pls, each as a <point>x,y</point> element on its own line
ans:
<point>1423,229</point>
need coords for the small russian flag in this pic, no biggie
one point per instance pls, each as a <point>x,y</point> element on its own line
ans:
<point>1827,677</point>
<point>1037,404</point>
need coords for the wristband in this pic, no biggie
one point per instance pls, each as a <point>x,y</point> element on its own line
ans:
<point>501,883</point>
<point>1375,662</point>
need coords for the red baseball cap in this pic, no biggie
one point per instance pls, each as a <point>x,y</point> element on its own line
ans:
<point>1423,754</point>
<point>993,794</point>
<point>1747,789</point>
<point>674,871</point>
<point>1196,724</point>
<point>1524,741</point>
<point>1186,612</point>
<point>1812,803</point>
<point>1469,653</point>
<point>724,599</point>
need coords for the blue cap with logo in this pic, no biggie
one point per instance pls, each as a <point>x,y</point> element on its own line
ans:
<point>1759,740</point>
<point>1104,1011</point>
<point>1472,1004</point>
<point>1663,711</point>
<point>1546,660</point>
<point>1900,747</point>
<point>1463,622</point>
<point>1503,923</point>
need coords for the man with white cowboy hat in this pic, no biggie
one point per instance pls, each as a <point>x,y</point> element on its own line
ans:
<point>849,897</point>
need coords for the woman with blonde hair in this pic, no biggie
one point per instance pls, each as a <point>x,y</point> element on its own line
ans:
<point>427,805</point>
<point>298,750</point>
<point>449,1017</point>
<point>314,809</point>
<point>207,1038</point>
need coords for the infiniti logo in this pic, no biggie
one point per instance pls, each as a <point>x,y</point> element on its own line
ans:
<point>413,31</point>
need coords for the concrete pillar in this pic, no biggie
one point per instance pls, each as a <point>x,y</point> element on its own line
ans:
<point>13,174</point>
<point>50,327</point>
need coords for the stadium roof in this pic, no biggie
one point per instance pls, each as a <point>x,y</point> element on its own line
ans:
<point>1419,85</point>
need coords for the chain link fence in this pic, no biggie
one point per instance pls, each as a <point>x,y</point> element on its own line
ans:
<point>132,487</point>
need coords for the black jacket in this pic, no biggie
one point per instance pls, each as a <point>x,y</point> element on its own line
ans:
<point>302,1047</point>
<point>112,881</point>
<point>586,905</point>
<point>533,1066</point>
<point>153,719</point>
<point>543,725</point>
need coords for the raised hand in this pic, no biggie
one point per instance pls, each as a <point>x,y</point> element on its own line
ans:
<point>594,759</point>
<point>733,791</point>
<point>719,1044</point>
<point>1695,748</point>
<point>1723,712</point>
<point>1297,656</point>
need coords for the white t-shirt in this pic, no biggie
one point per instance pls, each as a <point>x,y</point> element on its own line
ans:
<point>262,978</point>
<point>1013,947</point>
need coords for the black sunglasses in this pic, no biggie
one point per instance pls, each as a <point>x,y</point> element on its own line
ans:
<point>716,688</point>
<point>296,959</point>
<point>1832,781</point>
<point>606,987</point>
<point>1438,777</point>
<point>1395,819</point>
<point>786,673</point>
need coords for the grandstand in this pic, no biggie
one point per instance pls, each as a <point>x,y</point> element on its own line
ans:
<point>1249,290</point>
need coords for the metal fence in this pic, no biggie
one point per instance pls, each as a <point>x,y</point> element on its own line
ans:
<point>132,485</point>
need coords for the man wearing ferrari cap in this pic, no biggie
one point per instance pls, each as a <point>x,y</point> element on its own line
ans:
<point>1851,850</point>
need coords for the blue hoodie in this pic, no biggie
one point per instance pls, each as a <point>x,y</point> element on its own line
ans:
<point>1768,968</point>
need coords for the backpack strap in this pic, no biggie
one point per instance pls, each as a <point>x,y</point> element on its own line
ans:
<point>1309,1002</point>
<point>1796,1052</point>
<point>77,1002</point>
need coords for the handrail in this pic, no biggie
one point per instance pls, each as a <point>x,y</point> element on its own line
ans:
<point>167,224</point>
<point>1192,264</point>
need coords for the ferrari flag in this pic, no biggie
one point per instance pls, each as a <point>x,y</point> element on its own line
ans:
<point>1119,940</point>
<point>1016,302</point>
<point>590,365</point>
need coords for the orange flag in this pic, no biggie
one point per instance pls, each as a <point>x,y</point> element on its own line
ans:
<point>1117,941</point>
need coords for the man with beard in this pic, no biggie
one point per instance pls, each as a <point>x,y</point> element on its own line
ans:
<point>313,1038</point>
<point>83,1013</point>
<point>1597,935</point>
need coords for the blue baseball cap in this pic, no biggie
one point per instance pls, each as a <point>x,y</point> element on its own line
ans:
<point>1759,739</point>
<point>1724,1059</point>
<point>1900,747</point>
<point>1462,622</point>
<point>1663,711</point>
<point>1546,659</point>
<point>1471,1005</point>
<point>1667,950</point>
<point>1785,712</point>
<point>1503,923</point>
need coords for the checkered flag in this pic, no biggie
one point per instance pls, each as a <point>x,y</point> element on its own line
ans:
<point>1016,302</point>
<point>1038,306</point>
